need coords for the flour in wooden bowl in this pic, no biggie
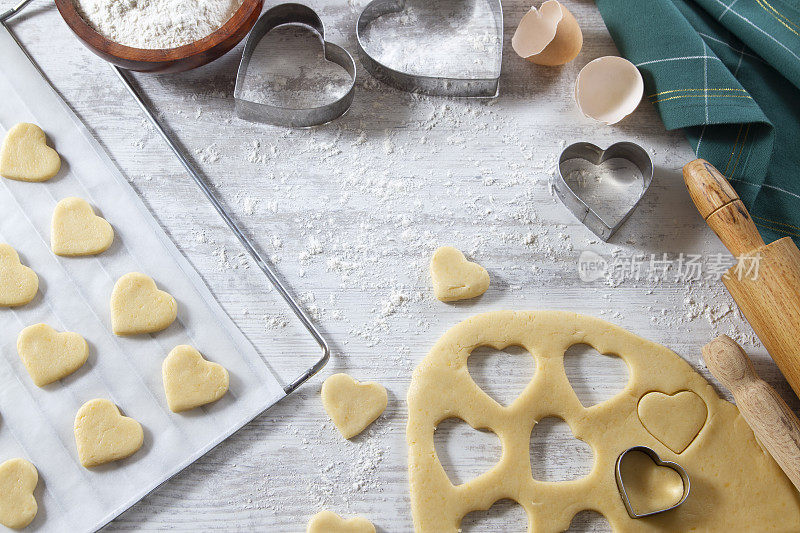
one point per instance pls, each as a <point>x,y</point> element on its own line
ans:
<point>155,24</point>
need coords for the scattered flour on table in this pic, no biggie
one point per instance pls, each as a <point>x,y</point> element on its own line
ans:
<point>351,212</point>
<point>156,23</point>
<point>337,245</point>
<point>358,207</point>
<point>384,255</point>
<point>438,38</point>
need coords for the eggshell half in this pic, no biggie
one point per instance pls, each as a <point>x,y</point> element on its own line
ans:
<point>608,89</point>
<point>548,36</point>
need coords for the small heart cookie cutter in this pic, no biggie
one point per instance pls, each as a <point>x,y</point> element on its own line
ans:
<point>285,116</point>
<point>687,485</point>
<point>593,154</point>
<point>419,83</point>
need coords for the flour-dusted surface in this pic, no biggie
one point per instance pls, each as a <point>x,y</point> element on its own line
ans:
<point>611,188</point>
<point>156,23</point>
<point>350,213</point>
<point>447,38</point>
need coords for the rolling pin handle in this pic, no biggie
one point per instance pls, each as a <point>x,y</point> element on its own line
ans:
<point>721,208</point>
<point>729,364</point>
<point>774,424</point>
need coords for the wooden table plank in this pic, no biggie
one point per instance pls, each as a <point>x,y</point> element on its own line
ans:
<point>350,213</point>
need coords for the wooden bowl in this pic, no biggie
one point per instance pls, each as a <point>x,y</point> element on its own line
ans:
<point>164,60</point>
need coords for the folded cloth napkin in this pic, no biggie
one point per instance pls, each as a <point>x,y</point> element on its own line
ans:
<point>728,73</point>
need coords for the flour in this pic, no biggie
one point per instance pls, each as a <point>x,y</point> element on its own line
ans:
<point>438,39</point>
<point>156,23</point>
<point>610,188</point>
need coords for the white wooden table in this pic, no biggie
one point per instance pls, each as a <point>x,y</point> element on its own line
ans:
<point>350,213</point>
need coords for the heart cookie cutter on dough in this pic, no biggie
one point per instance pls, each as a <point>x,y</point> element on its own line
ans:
<point>659,462</point>
<point>588,216</point>
<point>286,116</point>
<point>477,87</point>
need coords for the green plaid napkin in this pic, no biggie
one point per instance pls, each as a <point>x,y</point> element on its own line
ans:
<point>728,73</point>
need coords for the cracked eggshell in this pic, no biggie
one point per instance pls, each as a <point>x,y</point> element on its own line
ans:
<point>608,89</point>
<point>548,36</point>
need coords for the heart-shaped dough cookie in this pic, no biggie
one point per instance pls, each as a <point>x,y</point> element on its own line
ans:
<point>103,435</point>
<point>455,278</point>
<point>138,306</point>
<point>190,381</point>
<point>18,283</point>
<point>76,230</point>
<point>25,155</point>
<point>328,522</point>
<point>18,479</point>
<point>352,405</point>
<point>49,355</point>
<point>675,420</point>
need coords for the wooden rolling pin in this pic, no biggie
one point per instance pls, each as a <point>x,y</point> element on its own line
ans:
<point>775,425</point>
<point>771,300</point>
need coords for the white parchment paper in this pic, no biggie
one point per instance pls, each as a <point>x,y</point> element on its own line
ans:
<point>36,423</point>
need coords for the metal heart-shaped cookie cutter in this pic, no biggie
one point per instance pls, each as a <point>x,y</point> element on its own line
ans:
<point>657,460</point>
<point>589,152</point>
<point>418,83</point>
<point>286,116</point>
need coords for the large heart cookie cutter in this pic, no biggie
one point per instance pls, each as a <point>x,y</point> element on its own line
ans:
<point>589,152</point>
<point>659,462</point>
<point>286,116</point>
<point>417,83</point>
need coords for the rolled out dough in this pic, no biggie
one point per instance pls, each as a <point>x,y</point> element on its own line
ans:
<point>329,522</point>
<point>736,485</point>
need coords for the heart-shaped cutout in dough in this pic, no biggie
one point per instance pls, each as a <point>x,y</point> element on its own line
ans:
<point>18,479</point>
<point>76,230</point>
<point>190,381</point>
<point>675,420</point>
<point>138,306</point>
<point>103,435</point>
<point>18,283</point>
<point>455,278</point>
<point>25,155</point>
<point>329,522</point>
<point>649,484</point>
<point>352,405</point>
<point>49,355</point>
